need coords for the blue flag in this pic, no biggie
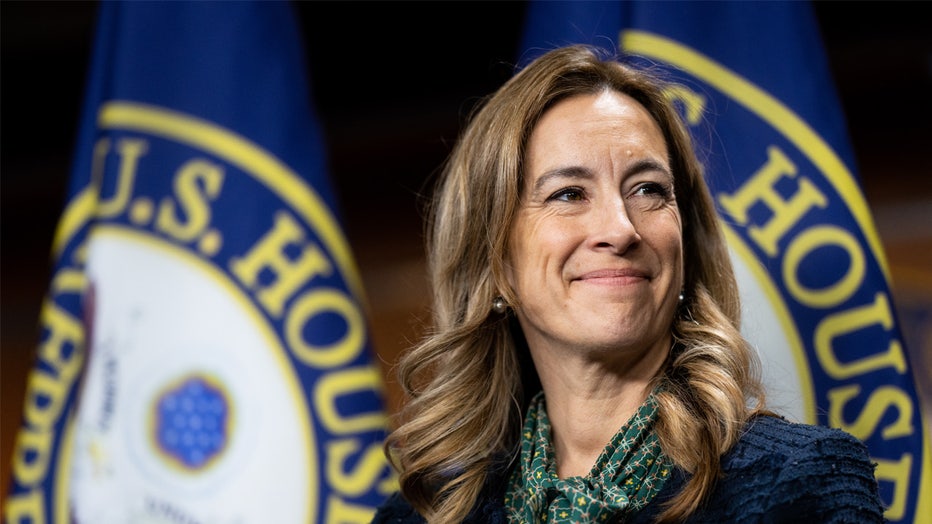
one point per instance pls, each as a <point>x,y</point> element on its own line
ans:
<point>204,354</point>
<point>753,82</point>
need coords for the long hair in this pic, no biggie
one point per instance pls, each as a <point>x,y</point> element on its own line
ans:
<point>468,381</point>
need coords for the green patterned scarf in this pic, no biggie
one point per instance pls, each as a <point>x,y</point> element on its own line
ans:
<point>625,477</point>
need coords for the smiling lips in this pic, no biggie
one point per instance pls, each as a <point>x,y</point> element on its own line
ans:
<point>614,276</point>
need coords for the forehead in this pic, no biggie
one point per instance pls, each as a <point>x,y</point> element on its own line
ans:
<point>599,125</point>
<point>603,107</point>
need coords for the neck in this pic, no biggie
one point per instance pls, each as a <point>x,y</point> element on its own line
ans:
<point>583,425</point>
<point>588,401</point>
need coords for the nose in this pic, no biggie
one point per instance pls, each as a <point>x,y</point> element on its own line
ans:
<point>612,227</point>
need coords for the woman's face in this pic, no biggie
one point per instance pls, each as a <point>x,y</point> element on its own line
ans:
<point>595,252</point>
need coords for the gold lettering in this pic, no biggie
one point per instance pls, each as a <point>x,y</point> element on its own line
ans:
<point>879,400</point>
<point>129,150</point>
<point>45,398</point>
<point>47,389</point>
<point>759,188</point>
<point>25,507</point>
<point>191,199</point>
<point>64,330</point>
<point>367,470</point>
<point>804,244</point>
<point>898,474</point>
<point>290,275</point>
<point>389,484</point>
<point>31,456</point>
<point>849,321</point>
<point>693,102</point>
<point>62,350</point>
<point>346,381</point>
<point>340,511</point>
<point>315,302</point>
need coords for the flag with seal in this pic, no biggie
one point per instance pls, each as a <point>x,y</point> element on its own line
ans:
<point>753,83</point>
<point>204,354</point>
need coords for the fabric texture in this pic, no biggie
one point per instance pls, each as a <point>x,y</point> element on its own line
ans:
<point>778,472</point>
<point>625,477</point>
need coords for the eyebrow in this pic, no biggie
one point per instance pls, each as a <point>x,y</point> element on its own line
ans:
<point>579,172</point>
<point>570,172</point>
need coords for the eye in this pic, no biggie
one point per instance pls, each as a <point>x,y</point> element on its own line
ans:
<point>650,195</point>
<point>568,194</point>
<point>653,189</point>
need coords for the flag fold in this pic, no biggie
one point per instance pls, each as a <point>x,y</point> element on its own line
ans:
<point>205,354</point>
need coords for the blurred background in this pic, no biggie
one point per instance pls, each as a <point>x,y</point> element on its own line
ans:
<point>393,83</point>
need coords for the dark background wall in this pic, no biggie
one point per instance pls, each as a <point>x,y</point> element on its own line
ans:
<point>393,82</point>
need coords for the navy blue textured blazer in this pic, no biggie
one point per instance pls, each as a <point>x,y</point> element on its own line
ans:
<point>777,472</point>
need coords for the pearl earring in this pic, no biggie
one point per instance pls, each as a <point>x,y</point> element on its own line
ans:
<point>499,305</point>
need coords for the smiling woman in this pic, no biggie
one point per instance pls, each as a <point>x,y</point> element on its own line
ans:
<point>383,146</point>
<point>597,229</point>
<point>581,284</point>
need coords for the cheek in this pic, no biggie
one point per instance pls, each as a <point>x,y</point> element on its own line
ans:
<point>666,235</point>
<point>535,245</point>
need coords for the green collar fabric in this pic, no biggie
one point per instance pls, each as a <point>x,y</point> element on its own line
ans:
<point>627,475</point>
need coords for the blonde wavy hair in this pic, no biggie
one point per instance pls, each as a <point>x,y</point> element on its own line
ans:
<point>469,380</point>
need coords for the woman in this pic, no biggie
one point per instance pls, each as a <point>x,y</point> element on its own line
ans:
<point>582,285</point>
